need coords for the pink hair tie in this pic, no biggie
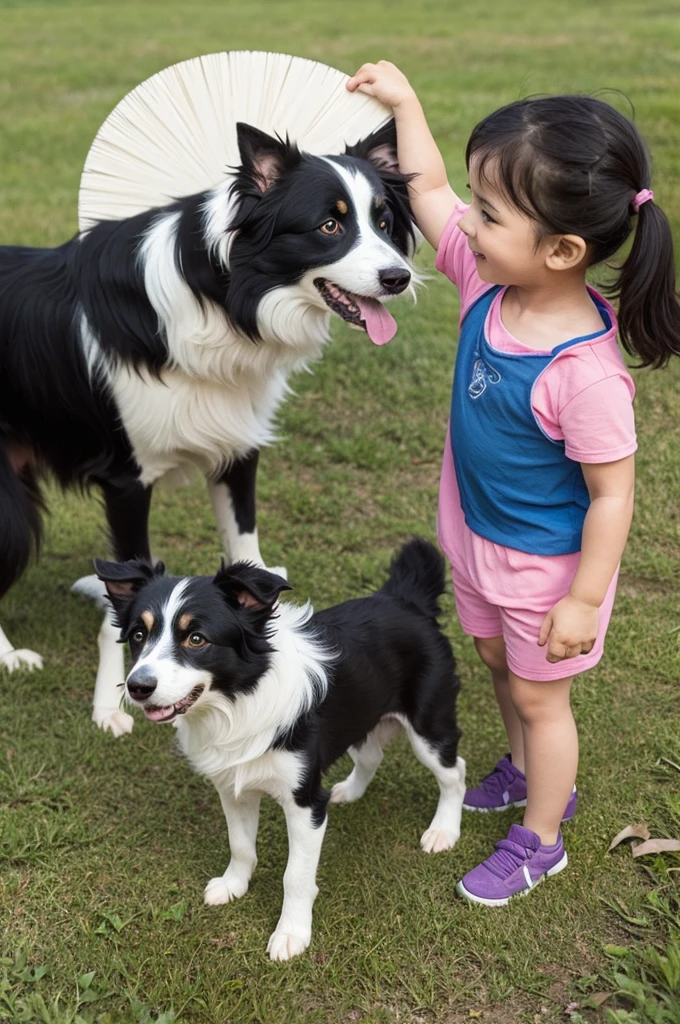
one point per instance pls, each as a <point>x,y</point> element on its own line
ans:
<point>642,197</point>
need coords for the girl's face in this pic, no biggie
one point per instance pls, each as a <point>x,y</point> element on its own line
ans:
<point>501,237</point>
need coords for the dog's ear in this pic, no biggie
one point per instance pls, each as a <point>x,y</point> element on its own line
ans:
<point>263,157</point>
<point>379,148</point>
<point>250,586</point>
<point>123,579</point>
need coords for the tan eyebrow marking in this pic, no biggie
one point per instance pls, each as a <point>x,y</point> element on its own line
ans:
<point>184,621</point>
<point>341,206</point>
<point>148,620</point>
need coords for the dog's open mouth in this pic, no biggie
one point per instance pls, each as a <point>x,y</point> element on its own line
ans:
<point>367,314</point>
<point>180,707</point>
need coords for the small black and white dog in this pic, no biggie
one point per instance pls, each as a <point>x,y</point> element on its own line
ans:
<point>266,696</point>
<point>162,343</point>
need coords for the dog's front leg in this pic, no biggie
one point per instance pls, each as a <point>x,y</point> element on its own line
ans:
<point>294,930</point>
<point>108,688</point>
<point>242,818</point>
<point>127,514</point>
<point>233,501</point>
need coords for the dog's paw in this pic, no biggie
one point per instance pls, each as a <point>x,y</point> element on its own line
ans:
<point>113,720</point>
<point>223,890</point>
<point>436,840</point>
<point>284,945</point>
<point>21,659</point>
<point>345,792</point>
<point>92,588</point>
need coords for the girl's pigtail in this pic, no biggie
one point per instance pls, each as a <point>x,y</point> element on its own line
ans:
<point>649,311</point>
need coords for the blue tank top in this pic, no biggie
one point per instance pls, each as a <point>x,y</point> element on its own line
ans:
<point>517,486</point>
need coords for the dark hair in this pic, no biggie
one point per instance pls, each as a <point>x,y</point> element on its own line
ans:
<point>575,164</point>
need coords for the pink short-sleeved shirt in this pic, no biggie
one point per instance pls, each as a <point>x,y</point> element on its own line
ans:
<point>584,398</point>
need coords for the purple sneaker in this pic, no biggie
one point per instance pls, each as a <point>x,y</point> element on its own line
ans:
<point>515,866</point>
<point>506,787</point>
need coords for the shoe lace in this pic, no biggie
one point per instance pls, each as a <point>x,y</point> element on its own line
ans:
<point>507,857</point>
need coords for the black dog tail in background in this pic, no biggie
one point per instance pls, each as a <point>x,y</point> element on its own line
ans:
<point>20,525</point>
<point>417,576</point>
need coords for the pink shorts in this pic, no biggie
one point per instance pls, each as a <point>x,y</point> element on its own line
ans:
<point>483,617</point>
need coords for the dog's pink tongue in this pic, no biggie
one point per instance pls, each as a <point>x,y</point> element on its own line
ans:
<point>380,325</point>
<point>159,714</point>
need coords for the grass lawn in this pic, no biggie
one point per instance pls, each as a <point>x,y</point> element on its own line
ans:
<point>105,845</point>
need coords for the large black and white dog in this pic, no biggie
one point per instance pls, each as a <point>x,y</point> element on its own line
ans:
<point>265,696</point>
<point>163,342</point>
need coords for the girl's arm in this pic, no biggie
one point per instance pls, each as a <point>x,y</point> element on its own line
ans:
<point>570,628</point>
<point>432,198</point>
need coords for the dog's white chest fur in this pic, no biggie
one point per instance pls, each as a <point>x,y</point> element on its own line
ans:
<point>179,420</point>
<point>217,398</point>
<point>278,773</point>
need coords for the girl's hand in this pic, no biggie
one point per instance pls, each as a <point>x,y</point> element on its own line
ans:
<point>431,197</point>
<point>384,81</point>
<point>569,629</point>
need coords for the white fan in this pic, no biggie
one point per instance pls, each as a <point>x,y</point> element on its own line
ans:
<point>175,134</point>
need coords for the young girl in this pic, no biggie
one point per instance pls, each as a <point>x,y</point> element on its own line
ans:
<point>537,484</point>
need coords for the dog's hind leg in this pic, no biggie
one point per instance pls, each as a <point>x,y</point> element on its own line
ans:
<point>20,531</point>
<point>305,837</point>
<point>444,830</point>
<point>367,757</point>
<point>12,659</point>
<point>233,501</point>
<point>242,819</point>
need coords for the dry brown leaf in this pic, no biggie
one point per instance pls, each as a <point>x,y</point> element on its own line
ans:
<point>629,832</point>
<point>598,998</point>
<point>656,846</point>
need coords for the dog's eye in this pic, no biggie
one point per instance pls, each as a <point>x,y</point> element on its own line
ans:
<point>383,225</point>
<point>196,640</point>
<point>138,636</point>
<point>330,227</point>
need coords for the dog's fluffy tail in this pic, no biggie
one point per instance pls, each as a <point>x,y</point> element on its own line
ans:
<point>417,576</point>
<point>20,524</point>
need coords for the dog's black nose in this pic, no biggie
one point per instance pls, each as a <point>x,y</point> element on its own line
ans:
<point>394,280</point>
<point>141,683</point>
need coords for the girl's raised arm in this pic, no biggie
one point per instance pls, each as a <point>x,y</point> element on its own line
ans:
<point>432,198</point>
